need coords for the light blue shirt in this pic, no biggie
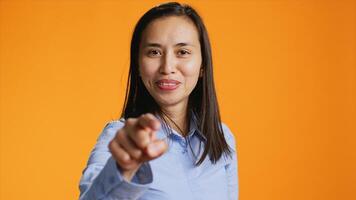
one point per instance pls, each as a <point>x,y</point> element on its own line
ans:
<point>171,176</point>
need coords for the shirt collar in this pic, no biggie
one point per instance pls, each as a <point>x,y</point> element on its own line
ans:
<point>193,129</point>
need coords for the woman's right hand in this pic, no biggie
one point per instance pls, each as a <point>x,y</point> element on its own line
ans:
<point>136,143</point>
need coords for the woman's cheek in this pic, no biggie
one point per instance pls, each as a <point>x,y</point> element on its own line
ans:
<point>146,73</point>
<point>149,67</point>
<point>191,70</point>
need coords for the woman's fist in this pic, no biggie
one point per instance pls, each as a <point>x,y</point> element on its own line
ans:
<point>136,143</point>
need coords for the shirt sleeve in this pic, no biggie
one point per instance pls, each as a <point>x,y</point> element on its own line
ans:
<point>232,167</point>
<point>101,179</point>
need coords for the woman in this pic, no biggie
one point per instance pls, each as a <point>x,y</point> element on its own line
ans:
<point>170,142</point>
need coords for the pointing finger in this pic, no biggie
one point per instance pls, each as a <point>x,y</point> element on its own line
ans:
<point>150,121</point>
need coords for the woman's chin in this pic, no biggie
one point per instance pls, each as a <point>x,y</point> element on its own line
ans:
<point>169,101</point>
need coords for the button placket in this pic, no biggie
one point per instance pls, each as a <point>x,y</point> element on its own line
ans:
<point>183,143</point>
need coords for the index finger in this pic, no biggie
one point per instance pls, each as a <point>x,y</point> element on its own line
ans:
<point>148,121</point>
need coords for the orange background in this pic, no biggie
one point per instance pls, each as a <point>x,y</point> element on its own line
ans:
<point>285,74</point>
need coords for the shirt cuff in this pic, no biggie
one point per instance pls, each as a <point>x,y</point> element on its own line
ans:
<point>114,185</point>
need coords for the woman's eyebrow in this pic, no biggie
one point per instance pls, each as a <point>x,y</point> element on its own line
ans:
<point>183,44</point>
<point>159,45</point>
<point>152,45</point>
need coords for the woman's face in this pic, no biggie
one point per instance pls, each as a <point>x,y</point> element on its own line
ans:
<point>170,60</point>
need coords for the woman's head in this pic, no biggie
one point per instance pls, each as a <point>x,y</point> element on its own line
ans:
<point>171,63</point>
<point>166,14</point>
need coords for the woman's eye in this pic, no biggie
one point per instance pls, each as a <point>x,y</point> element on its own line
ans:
<point>153,52</point>
<point>183,52</point>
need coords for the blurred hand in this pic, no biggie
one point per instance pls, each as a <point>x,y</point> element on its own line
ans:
<point>136,143</point>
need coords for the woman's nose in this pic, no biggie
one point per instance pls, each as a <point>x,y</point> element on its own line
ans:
<point>168,63</point>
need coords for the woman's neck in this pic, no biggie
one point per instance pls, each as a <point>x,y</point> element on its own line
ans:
<point>179,117</point>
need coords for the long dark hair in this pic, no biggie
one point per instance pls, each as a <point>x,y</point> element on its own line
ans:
<point>202,101</point>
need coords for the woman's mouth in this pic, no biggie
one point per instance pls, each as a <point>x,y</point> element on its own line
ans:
<point>167,84</point>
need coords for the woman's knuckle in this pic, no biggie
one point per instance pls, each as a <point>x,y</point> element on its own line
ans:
<point>136,154</point>
<point>120,134</point>
<point>130,121</point>
<point>110,145</point>
<point>142,135</point>
<point>124,158</point>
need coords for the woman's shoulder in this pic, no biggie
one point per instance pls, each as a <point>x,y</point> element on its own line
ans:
<point>229,136</point>
<point>110,129</point>
<point>115,122</point>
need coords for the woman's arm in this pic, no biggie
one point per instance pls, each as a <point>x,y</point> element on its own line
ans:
<point>101,179</point>
<point>232,167</point>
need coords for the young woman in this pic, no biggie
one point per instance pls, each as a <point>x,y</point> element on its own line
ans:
<point>170,142</point>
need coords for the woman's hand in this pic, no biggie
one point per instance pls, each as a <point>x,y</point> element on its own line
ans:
<point>136,143</point>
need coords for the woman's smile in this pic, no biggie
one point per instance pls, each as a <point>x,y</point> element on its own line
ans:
<point>167,84</point>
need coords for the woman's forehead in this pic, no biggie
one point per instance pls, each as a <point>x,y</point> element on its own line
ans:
<point>171,30</point>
